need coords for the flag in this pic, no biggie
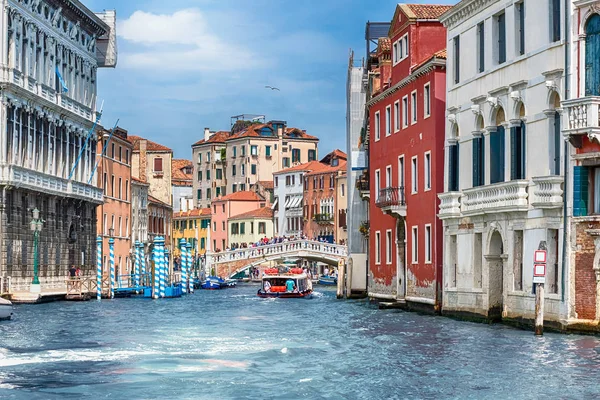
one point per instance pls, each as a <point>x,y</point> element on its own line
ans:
<point>65,89</point>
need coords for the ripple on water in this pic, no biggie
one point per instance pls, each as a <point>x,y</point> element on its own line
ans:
<point>231,344</point>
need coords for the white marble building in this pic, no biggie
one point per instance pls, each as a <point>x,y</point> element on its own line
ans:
<point>288,188</point>
<point>504,157</point>
<point>47,124</point>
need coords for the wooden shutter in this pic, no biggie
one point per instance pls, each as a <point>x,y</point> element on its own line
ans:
<point>514,174</point>
<point>522,151</point>
<point>497,155</point>
<point>555,20</point>
<point>501,38</point>
<point>457,59</point>
<point>158,165</point>
<point>521,8</point>
<point>580,191</point>
<point>453,168</point>
<point>501,158</point>
<point>481,33</point>
<point>557,143</point>
<point>476,161</point>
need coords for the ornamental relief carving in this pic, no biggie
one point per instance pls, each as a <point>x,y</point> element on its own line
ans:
<point>68,29</point>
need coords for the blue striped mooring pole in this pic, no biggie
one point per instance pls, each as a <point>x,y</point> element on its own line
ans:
<point>156,258</point>
<point>145,280</point>
<point>111,247</point>
<point>190,279</point>
<point>161,257</point>
<point>137,265</point>
<point>99,268</point>
<point>182,266</point>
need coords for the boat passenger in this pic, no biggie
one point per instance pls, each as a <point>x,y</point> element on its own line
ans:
<point>289,286</point>
<point>267,287</point>
<point>326,272</point>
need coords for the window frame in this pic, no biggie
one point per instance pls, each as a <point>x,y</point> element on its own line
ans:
<point>377,123</point>
<point>388,121</point>
<point>427,171</point>
<point>388,246</point>
<point>427,100</point>
<point>405,112</point>
<point>414,109</point>
<point>415,244</point>
<point>377,248</point>
<point>428,243</point>
<point>414,175</point>
<point>456,59</point>
<point>401,167</point>
<point>481,46</point>
<point>396,116</point>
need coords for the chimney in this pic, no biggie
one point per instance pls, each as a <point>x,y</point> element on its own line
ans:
<point>280,131</point>
<point>143,160</point>
<point>206,133</point>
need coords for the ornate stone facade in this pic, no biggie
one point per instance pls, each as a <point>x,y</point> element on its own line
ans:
<point>48,69</point>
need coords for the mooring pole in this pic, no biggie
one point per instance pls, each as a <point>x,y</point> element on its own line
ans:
<point>539,278</point>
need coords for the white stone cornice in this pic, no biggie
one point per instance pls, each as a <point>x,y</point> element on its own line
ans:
<point>463,11</point>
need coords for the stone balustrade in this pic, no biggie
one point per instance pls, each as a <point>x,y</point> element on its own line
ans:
<point>499,197</point>
<point>449,205</point>
<point>22,177</point>
<point>583,115</point>
<point>547,192</point>
<point>292,248</point>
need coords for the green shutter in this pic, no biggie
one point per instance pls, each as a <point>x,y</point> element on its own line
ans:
<point>522,151</point>
<point>580,191</point>
<point>476,161</point>
<point>514,156</point>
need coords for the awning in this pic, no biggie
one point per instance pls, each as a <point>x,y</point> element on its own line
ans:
<point>296,202</point>
<point>275,203</point>
<point>287,202</point>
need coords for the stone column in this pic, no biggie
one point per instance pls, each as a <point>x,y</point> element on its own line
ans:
<point>67,156</point>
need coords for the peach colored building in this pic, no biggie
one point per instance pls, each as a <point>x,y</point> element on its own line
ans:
<point>160,215</point>
<point>152,162</point>
<point>320,199</point>
<point>114,215</point>
<point>228,206</point>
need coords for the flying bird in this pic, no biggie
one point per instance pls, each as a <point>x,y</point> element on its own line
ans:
<point>272,88</point>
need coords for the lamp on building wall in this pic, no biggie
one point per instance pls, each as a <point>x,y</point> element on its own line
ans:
<point>111,232</point>
<point>36,227</point>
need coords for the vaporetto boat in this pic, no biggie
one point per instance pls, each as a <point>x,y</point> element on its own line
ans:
<point>292,284</point>
<point>6,309</point>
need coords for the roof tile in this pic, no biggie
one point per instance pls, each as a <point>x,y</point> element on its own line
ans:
<point>425,11</point>
<point>218,137</point>
<point>264,212</point>
<point>178,176</point>
<point>196,212</point>
<point>150,145</point>
<point>241,196</point>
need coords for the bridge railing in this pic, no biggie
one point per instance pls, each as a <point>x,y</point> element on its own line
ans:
<point>279,248</point>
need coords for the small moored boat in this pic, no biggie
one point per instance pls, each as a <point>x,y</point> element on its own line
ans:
<point>217,283</point>
<point>327,280</point>
<point>6,309</point>
<point>292,284</point>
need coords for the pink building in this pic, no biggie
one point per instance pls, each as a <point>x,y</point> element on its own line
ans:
<point>228,206</point>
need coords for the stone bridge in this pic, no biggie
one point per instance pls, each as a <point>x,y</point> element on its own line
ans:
<point>232,262</point>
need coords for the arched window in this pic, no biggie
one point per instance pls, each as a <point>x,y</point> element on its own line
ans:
<point>453,161</point>
<point>592,56</point>
<point>517,146</point>
<point>478,153</point>
<point>555,134</point>
<point>497,149</point>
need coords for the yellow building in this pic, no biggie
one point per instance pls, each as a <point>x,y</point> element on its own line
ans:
<point>193,226</point>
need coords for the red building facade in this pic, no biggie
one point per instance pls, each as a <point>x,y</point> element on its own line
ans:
<point>406,153</point>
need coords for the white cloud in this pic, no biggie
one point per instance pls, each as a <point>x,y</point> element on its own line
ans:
<point>181,41</point>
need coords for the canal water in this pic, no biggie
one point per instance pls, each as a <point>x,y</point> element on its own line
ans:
<point>233,345</point>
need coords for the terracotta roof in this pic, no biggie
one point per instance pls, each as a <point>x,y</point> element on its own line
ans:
<point>337,153</point>
<point>301,134</point>
<point>134,179</point>
<point>150,145</point>
<point>253,131</point>
<point>438,54</point>
<point>218,137</point>
<point>424,11</point>
<point>196,212</point>
<point>267,184</point>
<point>328,168</point>
<point>178,177</point>
<point>152,199</point>
<point>309,166</point>
<point>265,212</point>
<point>241,196</point>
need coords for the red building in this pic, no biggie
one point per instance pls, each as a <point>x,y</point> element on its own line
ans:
<point>406,158</point>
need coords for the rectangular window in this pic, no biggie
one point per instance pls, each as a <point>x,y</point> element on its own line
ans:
<point>296,155</point>
<point>208,194</point>
<point>415,245</point>
<point>405,111</point>
<point>120,188</point>
<point>497,155</point>
<point>388,246</point>
<point>520,22</point>
<point>426,100</point>
<point>377,247</point>
<point>234,188</point>
<point>268,151</point>
<point>199,176</point>
<point>243,187</point>
<point>120,153</point>
<point>312,155</point>
<point>413,100</point>
<point>453,167</point>
<point>427,171</point>
<point>112,150</point>
<point>501,32</point>
<point>243,170</point>
<point>518,260</point>
<point>377,127</point>
<point>276,181</point>
<point>208,156</point>
<point>253,169</point>
<point>199,157</point>
<point>396,116</point>
<point>478,161</point>
<point>223,225</point>
<point>254,150</point>
<point>405,45</point>
<point>214,226</point>
<point>415,175</point>
<point>105,225</point>
<point>428,243</point>
<point>233,170</point>
<point>262,228</point>
<point>120,227</point>
<point>127,156</point>
<point>481,46</point>
<point>456,45</point>
<point>388,121</point>
<point>234,151</point>
<point>242,228</point>
<point>158,164</point>
<point>286,162</point>
<point>112,186</point>
<point>243,150</point>
<point>555,20</point>
<point>377,184</point>
<point>218,191</point>
<point>388,176</point>
<point>401,172</point>
<point>396,51</point>
<point>208,174</point>
<point>517,151</point>
<point>555,145</point>
<point>199,194</point>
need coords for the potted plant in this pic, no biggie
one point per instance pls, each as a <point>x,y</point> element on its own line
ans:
<point>364,229</point>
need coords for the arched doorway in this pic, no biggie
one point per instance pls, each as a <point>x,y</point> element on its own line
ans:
<point>592,56</point>
<point>401,258</point>
<point>495,276</point>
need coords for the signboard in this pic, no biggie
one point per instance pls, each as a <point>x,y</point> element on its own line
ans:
<point>540,256</point>
<point>539,269</point>
<point>539,279</point>
<point>359,160</point>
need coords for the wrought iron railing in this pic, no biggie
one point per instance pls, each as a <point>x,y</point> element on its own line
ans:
<point>391,196</point>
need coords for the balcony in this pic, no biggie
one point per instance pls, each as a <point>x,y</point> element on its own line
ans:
<point>547,192</point>
<point>15,176</point>
<point>323,219</point>
<point>391,201</point>
<point>362,185</point>
<point>449,205</point>
<point>582,115</point>
<point>499,197</point>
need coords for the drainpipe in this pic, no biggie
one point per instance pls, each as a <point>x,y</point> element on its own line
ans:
<point>566,150</point>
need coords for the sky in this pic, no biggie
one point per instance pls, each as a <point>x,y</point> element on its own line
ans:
<point>184,65</point>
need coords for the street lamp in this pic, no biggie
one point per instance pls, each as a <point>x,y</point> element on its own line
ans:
<point>111,232</point>
<point>36,227</point>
